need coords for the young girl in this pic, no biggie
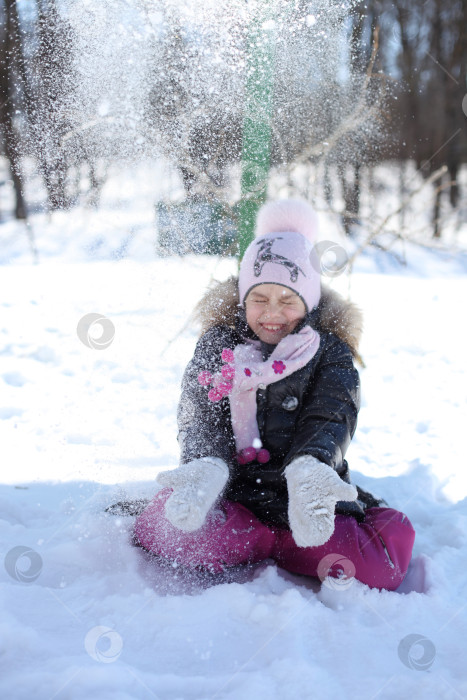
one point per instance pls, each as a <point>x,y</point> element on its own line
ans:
<point>268,408</point>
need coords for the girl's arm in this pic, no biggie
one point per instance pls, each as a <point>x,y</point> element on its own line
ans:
<point>204,442</point>
<point>204,426</point>
<point>328,417</point>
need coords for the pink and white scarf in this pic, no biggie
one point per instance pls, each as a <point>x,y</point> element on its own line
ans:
<point>245,372</point>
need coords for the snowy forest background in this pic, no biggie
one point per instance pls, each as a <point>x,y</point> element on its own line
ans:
<point>86,86</point>
<point>120,182</point>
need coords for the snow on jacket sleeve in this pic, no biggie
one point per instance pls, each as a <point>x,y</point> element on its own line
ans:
<point>204,427</point>
<point>328,417</point>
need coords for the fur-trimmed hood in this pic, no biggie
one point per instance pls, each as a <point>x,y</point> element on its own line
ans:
<point>219,306</point>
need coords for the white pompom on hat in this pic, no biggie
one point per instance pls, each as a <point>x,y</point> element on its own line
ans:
<point>287,215</point>
<point>283,251</point>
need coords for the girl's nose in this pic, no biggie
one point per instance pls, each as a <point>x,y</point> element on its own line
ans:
<point>271,310</point>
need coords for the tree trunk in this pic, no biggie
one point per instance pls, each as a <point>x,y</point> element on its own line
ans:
<point>8,58</point>
<point>11,152</point>
<point>351,195</point>
<point>437,210</point>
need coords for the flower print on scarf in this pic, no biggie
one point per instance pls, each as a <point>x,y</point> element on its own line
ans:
<point>205,378</point>
<point>227,355</point>
<point>228,372</point>
<point>278,366</point>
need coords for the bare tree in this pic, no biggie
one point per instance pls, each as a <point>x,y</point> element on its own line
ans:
<point>427,54</point>
<point>11,93</point>
<point>53,89</point>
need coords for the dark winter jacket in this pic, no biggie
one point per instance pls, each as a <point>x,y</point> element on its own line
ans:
<point>311,412</point>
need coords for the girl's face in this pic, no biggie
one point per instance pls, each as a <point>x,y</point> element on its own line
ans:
<point>273,311</point>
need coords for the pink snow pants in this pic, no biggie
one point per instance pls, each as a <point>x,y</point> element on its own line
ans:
<point>376,551</point>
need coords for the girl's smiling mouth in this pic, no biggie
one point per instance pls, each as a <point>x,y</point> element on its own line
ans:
<point>271,327</point>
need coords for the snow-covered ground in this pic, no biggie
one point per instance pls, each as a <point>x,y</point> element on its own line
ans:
<point>83,614</point>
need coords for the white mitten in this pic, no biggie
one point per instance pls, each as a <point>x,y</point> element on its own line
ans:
<point>196,485</point>
<point>314,489</point>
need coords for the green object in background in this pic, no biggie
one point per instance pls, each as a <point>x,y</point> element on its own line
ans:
<point>256,125</point>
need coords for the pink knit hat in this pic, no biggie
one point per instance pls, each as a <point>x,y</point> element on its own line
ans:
<point>283,251</point>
